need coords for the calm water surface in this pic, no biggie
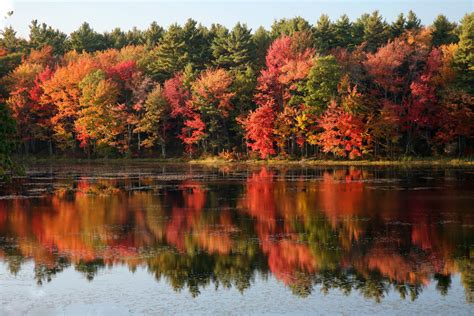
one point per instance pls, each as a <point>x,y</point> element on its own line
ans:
<point>147,238</point>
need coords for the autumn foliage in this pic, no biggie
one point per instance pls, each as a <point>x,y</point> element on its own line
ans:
<point>399,90</point>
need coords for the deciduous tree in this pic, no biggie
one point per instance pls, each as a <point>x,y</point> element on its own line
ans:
<point>155,120</point>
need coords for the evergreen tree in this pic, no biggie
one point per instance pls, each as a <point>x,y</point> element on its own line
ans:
<point>115,39</point>
<point>235,49</point>
<point>218,36</point>
<point>10,42</point>
<point>262,40</point>
<point>7,136</point>
<point>7,64</point>
<point>443,32</point>
<point>464,56</point>
<point>153,34</point>
<point>42,35</point>
<point>197,44</point>
<point>86,39</point>
<point>358,28</point>
<point>323,35</point>
<point>413,22</point>
<point>135,37</point>
<point>289,26</point>
<point>343,32</point>
<point>170,56</point>
<point>243,86</point>
<point>375,31</point>
<point>398,26</point>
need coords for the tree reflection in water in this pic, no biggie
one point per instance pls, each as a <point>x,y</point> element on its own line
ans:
<point>367,230</point>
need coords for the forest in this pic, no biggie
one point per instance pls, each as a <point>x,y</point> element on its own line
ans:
<point>362,89</point>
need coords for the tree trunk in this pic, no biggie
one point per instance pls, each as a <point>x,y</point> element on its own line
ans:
<point>163,150</point>
<point>50,143</point>
<point>139,141</point>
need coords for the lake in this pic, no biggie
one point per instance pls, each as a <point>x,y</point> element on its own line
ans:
<point>144,238</point>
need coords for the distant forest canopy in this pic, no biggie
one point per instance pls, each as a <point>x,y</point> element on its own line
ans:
<point>335,89</point>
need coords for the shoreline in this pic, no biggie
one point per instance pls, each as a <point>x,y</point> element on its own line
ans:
<point>407,162</point>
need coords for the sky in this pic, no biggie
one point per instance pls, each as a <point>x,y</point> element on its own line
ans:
<point>104,15</point>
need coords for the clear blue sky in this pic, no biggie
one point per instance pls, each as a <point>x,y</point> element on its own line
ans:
<point>106,14</point>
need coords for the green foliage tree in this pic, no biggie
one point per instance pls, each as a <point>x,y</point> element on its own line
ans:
<point>153,34</point>
<point>86,39</point>
<point>342,36</point>
<point>197,46</point>
<point>7,136</point>
<point>243,87</point>
<point>358,28</point>
<point>323,35</point>
<point>413,22</point>
<point>42,35</point>
<point>224,79</point>
<point>170,56</point>
<point>115,39</point>
<point>235,49</point>
<point>289,26</point>
<point>464,56</point>
<point>95,122</point>
<point>262,40</point>
<point>321,86</point>
<point>375,31</point>
<point>10,42</point>
<point>398,26</point>
<point>135,37</point>
<point>8,63</point>
<point>443,31</point>
<point>154,122</point>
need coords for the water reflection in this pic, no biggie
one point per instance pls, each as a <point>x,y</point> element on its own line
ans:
<point>366,230</point>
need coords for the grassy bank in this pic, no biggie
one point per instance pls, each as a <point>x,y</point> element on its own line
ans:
<point>407,161</point>
<point>315,162</point>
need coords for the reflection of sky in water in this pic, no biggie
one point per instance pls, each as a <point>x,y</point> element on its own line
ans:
<point>118,291</point>
<point>296,236</point>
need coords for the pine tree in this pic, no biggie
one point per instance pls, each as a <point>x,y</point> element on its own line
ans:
<point>42,35</point>
<point>358,28</point>
<point>343,32</point>
<point>115,39</point>
<point>235,49</point>
<point>464,56</point>
<point>323,35</point>
<point>375,32</point>
<point>7,136</point>
<point>196,38</point>
<point>413,22</point>
<point>262,40</point>
<point>170,56</point>
<point>290,26</point>
<point>135,37</point>
<point>86,39</point>
<point>243,87</point>
<point>10,42</point>
<point>153,34</point>
<point>398,26</point>
<point>443,32</point>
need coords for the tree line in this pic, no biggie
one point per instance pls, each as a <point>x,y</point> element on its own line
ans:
<point>339,89</point>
